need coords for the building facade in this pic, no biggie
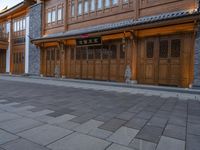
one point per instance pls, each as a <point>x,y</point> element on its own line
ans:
<point>149,42</point>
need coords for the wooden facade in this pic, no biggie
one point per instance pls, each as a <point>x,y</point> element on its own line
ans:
<point>158,52</point>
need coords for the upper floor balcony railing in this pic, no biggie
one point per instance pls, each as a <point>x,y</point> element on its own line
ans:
<point>3,36</point>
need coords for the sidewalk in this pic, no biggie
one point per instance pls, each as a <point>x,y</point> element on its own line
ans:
<point>148,90</point>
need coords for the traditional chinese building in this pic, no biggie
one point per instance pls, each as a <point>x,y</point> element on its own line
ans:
<point>99,39</point>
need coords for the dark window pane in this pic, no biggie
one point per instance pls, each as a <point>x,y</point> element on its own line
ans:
<point>72,53</point>
<point>78,54</point>
<point>122,52</point>
<point>90,53</point>
<point>163,49</point>
<point>113,52</point>
<point>175,48</point>
<point>84,54</point>
<point>97,52</point>
<point>105,52</point>
<point>149,49</point>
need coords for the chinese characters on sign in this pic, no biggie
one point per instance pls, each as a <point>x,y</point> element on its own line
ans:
<point>88,41</point>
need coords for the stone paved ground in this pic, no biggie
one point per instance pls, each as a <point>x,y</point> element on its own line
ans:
<point>44,117</point>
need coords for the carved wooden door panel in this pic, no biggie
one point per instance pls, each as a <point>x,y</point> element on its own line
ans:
<point>113,62</point>
<point>98,63</point>
<point>72,62</point>
<point>121,68</point>
<point>105,62</point>
<point>150,61</point>
<point>90,68</point>
<point>163,73</point>
<point>84,62</point>
<point>78,63</point>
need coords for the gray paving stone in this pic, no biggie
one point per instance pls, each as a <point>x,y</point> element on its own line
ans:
<point>83,118</point>
<point>100,133</point>
<point>177,121</point>
<point>150,133</point>
<point>193,128</point>
<point>68,125</point>
<point>173,131</point>
<point>19,125</point>
<point>5,116</point>
<point>118,147</point>
<point>167,143</point>
<point>88,126</point>
<point>77,141</point>
<point>6,137</point>
<point>123,136</point>
<point>61,119</point>
<point>157,121</point>
<point>40,113</point>
<point>125,115</point>
<point>138,144</point>
<point>136,123</point>
<point>112,125</point>
<point>22,144</point>
<point>145,115</point>
<point>192,142</point>
<point>45,134</point>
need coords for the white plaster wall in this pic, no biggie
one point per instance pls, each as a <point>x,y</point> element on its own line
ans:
<point>27,46</point>
<point>8,29</point>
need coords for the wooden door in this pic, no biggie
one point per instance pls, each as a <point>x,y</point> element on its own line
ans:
<point>84,62</point>
<point>48,63</point>
<point>113,62</point>
<point>90,67</point>
<point>18,61</point>
<point>105,62</point>
<point>169,61</point>
<point>121,63</point>
<point>98,63</point>
<point>2,61</point>
<point>78,63</point>
<point>72,62</point>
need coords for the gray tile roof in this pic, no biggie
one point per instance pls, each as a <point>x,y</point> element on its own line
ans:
<point>122,24</point>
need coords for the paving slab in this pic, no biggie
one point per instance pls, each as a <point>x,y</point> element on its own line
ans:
<point>150,133</point>
<point>61,119</point>
<point>118,147</point>
<point>19,125</point>
<point>193,128</point>
<point>136,123</point>
<point>22,144</point>
<point>174,131</point>
<point>125,115</point>
<point>84,118</point>
<point>157,121</point>
<point>68,125</point>
<point>77,141</point>
<point>123,136</point>
<point>113,125</point>
<point>6,137</point>
<point>100,133</point>
<point>192,142</point>
<point>88,126</point>
<point>45,134</point>
<point>5,116</point>
<point>167,143</point>
<point>138,144</point>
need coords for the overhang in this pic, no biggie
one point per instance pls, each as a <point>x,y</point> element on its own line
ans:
<point>124,24</point>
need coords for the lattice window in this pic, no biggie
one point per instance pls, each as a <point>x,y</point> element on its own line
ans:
<point>163,49</point>
<point>78,54</point>
<point>72,53</point>
<point>90,53</point>
<point>97,52</point>
<point>149,49</point>
<point>175,48</point>
<point>113,52</point>
<point>122,52</point>
<point>105,52</point>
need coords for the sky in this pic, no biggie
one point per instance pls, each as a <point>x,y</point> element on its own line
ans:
<point>9,3</point>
